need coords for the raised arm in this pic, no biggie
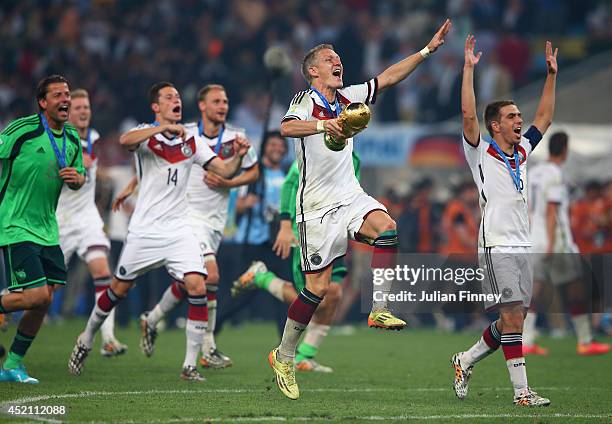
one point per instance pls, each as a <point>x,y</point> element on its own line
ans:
<point>400,70</point>
<point>133,138</point>
<point>471,130</point>
<point>546,108</point>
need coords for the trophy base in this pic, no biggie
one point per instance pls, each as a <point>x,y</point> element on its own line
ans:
<point>334,145</point>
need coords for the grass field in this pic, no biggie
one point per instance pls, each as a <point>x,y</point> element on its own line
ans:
<point>378,376</point>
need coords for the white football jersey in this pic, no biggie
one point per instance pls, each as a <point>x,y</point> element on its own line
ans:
<point>211,204</point>
<point>75,206</point>
<point>546,185</point>
<point>505,217</point>
<point>163,166</point>
<point>326,177</point>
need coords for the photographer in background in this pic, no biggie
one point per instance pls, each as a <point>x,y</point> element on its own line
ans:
<point>257,216</point>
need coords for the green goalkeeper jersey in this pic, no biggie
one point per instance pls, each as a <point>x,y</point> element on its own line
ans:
<point>30,184</point>
<point>290,189</point>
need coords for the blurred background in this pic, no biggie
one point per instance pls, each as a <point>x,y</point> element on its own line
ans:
<point>411,155</point>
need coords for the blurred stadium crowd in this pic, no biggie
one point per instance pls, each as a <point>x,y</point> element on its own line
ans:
<point>117,48</point>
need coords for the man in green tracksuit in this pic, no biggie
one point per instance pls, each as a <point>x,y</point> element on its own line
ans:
<point>257,275</point>
<point>38,155</point>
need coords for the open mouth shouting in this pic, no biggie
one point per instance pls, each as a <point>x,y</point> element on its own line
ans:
<point>517,131</point>
<point>62,110</point>
<point>337,72</point>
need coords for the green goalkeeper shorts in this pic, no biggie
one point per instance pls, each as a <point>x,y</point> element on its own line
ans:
<point>28,265</point>
<point>339,270</point>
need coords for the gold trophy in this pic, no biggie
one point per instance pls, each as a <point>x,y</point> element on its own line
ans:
<point>353,119</point>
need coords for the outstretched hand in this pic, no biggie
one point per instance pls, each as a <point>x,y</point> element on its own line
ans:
<point>438,38</point>
<point>551,58</point>
<point>470,58</point>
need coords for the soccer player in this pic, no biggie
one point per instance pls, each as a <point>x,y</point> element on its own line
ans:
<point>38,155</point>
<point>80,226</point>
<point>332,205</point>
<point>208,198</point>
<point>498,166</point>
<point>557,257</point>
<point>159,234</point>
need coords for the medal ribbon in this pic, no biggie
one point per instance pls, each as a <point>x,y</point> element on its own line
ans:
<point>219,137</point>
<point>89,145</point>
<point>516,177</point>
<point>326,103</point>
<point>61,156</point>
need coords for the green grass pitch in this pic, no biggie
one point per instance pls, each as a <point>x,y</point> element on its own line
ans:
<point>378,376</point>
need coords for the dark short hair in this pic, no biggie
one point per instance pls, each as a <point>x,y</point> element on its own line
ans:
<point>491,113</point>
<point>156,88</point>
<point>43,86</point>
<point>557,144</point>
<point>202,92</point>
<point>310,58</point>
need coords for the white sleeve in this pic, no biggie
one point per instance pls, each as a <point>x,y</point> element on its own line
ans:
<point>139,146</point>
<point>250,158</point>
<point>472,154</point>
<point>300,107</point>
<point>203,154</point>
<point>363,93</point>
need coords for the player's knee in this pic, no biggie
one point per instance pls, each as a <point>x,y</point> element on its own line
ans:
<point>39,298</point>
<point>194,284</point>
<point>512,321</point>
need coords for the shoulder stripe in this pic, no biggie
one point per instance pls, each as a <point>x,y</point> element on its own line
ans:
<point>21,120</point>
<point>298,97</point>
<point>21,124</point>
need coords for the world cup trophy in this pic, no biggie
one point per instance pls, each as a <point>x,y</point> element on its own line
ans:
<point>353,119</point>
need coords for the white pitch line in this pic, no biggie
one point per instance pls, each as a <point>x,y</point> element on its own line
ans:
<point>32,399</point>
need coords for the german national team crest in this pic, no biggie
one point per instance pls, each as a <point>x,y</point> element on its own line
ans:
<point>315,259</point>
<point>227,150</point>
<point>186,150</point>
<point>507,293</point>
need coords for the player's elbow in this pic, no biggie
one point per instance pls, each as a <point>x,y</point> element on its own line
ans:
<point>285,129</point>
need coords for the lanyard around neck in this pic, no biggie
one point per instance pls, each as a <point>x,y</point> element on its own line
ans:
<point>61,156</point>
<point>326,103</point>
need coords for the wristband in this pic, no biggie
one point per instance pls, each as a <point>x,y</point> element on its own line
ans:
<point>320,126</point>
<point>425,52</point>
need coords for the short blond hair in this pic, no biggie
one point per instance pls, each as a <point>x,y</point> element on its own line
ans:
<point>208,87</point>
<point>311,58</point>
<point>79,93</point>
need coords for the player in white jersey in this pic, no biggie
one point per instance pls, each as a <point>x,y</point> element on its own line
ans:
<point>557,258</point>
<point>81,229</point>
<point>331,205</point>
<point>208,198</point>
<point>159,234</point>
<point>498,164</point>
